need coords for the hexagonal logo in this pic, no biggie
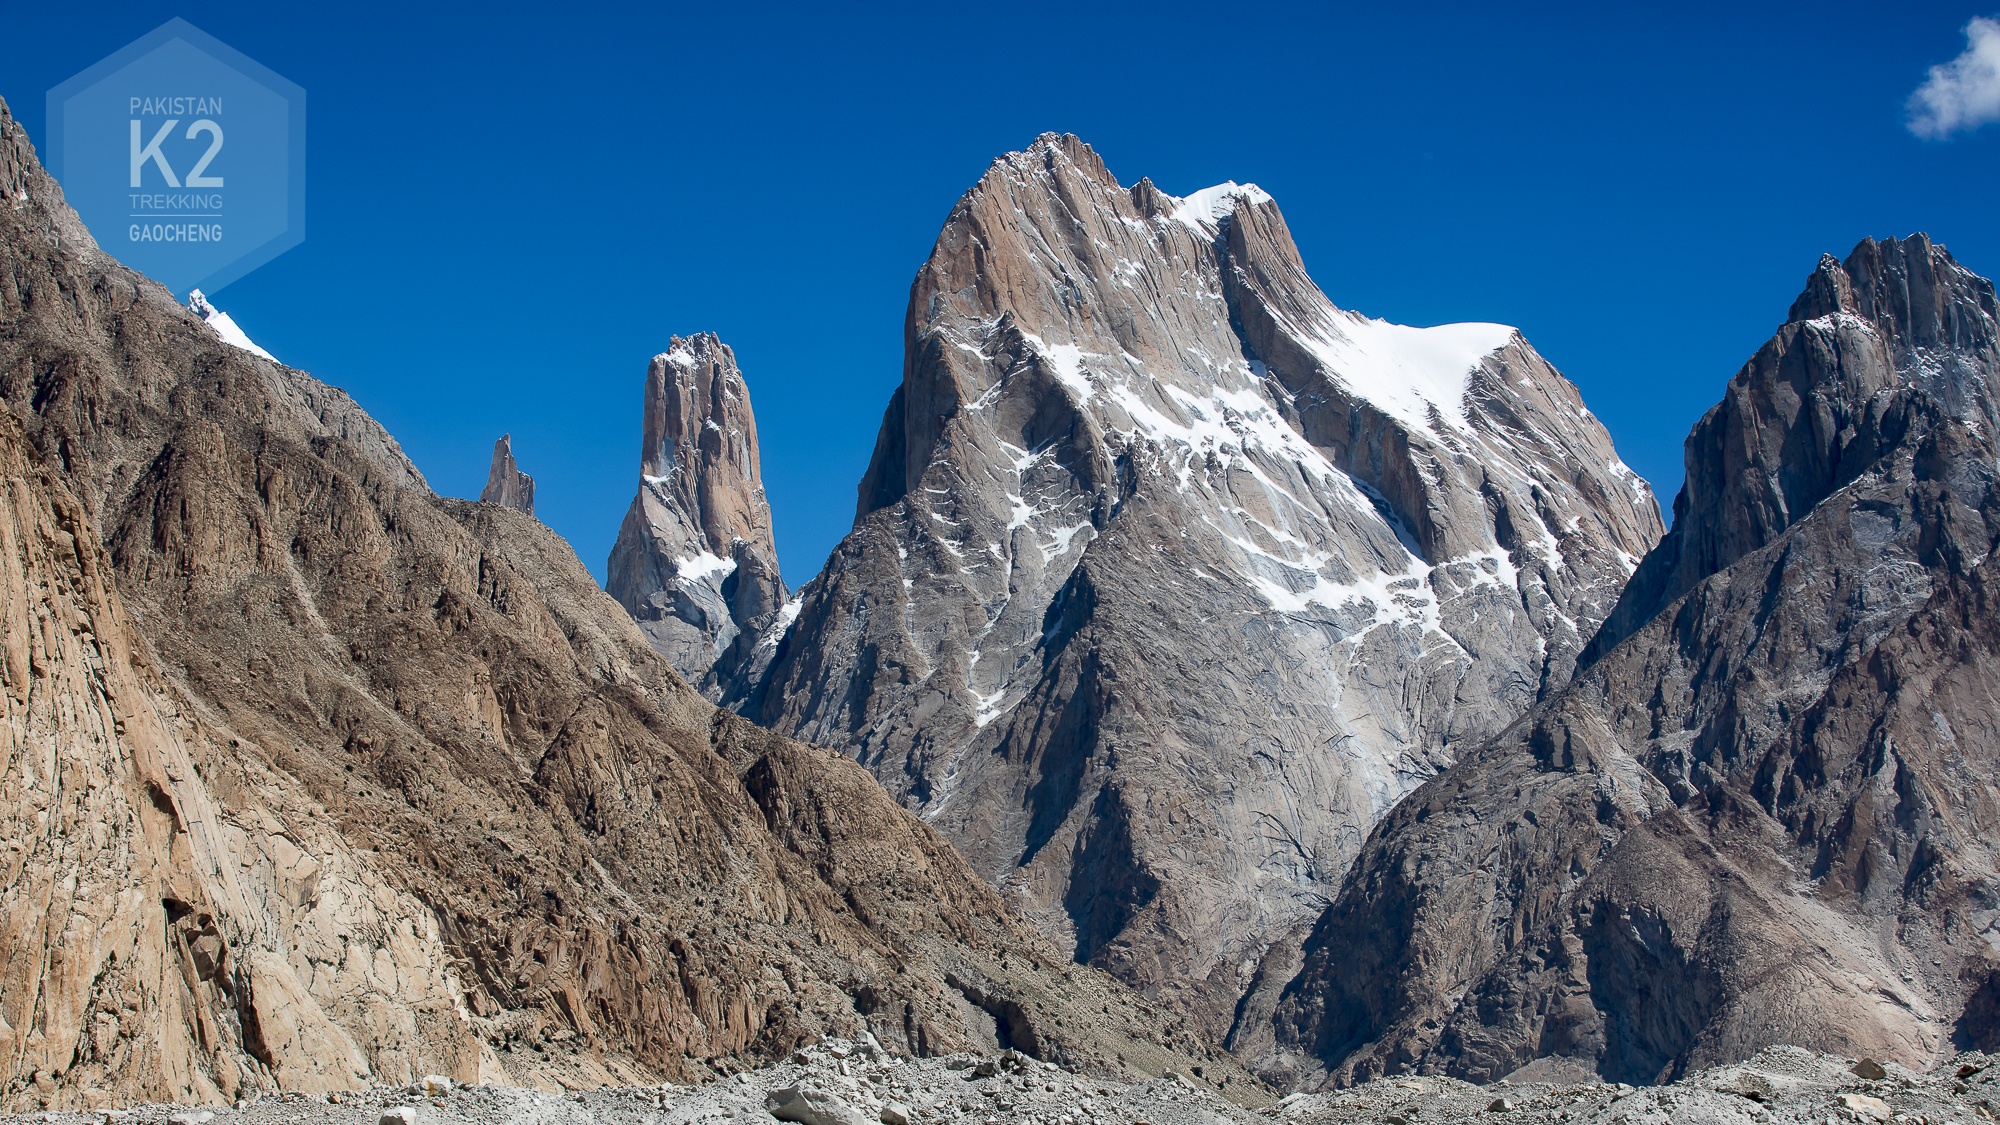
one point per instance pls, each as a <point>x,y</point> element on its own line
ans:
<point>184,158</point>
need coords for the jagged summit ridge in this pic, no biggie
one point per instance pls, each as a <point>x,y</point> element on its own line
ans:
<point>1168,576</point>
<point>695,562</point>
<point>1935,317</point>
<point>1896,315</point>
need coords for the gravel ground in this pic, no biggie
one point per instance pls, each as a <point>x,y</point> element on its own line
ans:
<point>838,1082</point>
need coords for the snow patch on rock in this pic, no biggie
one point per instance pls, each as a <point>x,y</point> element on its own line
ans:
<point>224,326</point>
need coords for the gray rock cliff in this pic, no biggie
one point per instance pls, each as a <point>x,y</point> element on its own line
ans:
<point>1168,577</point>
<point>1763,812</point>
<point>694,562</point>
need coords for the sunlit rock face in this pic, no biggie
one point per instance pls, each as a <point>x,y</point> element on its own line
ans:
<point>1168,577</point>
<point>694,562</point>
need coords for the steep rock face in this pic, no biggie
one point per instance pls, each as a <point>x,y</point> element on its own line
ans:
<point>694,563</point>
<point>127,971</point>
<point>1763,813</point>
<point>1168,577</point>
<point>316,779</point>
<point>1780,442</point>
<point>506,484</point>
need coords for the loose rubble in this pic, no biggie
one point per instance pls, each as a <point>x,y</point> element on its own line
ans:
<point>1780,1085</point>
<point>844,1082</point>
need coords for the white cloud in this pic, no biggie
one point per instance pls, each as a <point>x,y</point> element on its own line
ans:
<point>1965,92</point>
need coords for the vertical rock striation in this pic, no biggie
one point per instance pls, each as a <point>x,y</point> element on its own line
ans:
<point>129,967</point>
<point>1763,812</point>
<point>694,562</point>
<point>506,484</point>
<point>1168,577</point>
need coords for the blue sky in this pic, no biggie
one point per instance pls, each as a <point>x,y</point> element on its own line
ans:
<point>511,210</point>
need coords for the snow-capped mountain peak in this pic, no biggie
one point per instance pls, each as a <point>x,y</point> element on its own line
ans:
<point>1168,576</point>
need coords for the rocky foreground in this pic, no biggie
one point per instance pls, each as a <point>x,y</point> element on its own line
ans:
<point>843,1082</point>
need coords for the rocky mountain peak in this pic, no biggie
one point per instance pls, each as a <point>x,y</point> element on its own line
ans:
<point>1149,516</point>
<point>695,562</point>
<point>505,482</point>
<point>1899,326</point>
<point>1051,149</point>
<point>700,443</point>
<point>1918,295</point>
<point>1913,291</point>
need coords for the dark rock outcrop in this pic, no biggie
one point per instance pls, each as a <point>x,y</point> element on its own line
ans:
<point>319,779</point>
<point>1763,811</point>
<point>695,564</point>
<point>506,484</point>
<point>1168,577</point>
